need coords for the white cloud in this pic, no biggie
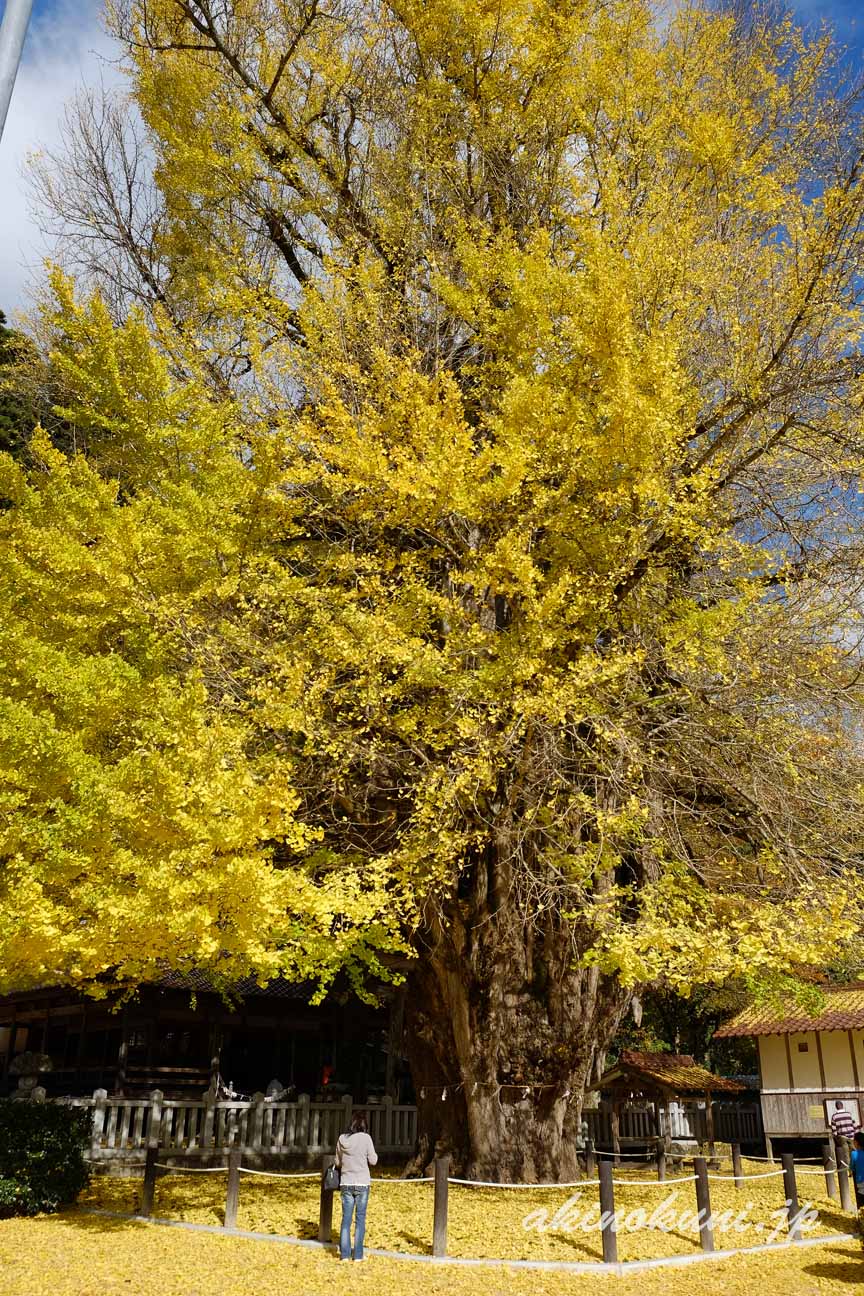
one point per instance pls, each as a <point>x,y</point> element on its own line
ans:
<point>66,48</point>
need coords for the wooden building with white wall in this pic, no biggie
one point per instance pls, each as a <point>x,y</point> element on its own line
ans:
<point>807,1060</point>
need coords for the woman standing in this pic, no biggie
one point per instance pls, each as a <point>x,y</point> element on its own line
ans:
<point>355,1153</point>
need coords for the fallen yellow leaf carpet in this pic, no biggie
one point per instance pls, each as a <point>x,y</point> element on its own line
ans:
<point>88,1255</point>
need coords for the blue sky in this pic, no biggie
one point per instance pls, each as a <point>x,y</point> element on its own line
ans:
<point>847,16</point>
<point>67,47</point>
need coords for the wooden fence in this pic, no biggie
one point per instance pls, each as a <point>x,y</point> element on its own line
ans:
<point>733,1123</point>
<point>123,1128</point>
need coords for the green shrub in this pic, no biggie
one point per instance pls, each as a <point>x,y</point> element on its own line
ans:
<point>42,1164</point>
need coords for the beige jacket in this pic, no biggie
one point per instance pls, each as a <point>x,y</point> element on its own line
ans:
<point>355,1153</point>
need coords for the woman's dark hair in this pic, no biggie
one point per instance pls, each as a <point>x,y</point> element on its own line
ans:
<point>359,1124</point>
<point>858,1138</point>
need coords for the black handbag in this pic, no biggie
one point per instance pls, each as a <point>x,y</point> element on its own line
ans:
<point>331,1178</point>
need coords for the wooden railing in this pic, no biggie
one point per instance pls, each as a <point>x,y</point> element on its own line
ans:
<point>733,1123</point>
<point>123,1128</point>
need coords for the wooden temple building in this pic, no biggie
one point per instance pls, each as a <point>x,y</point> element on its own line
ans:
<point>178,1034</point>
<point>655,1081</point>
<point>808,1061</point>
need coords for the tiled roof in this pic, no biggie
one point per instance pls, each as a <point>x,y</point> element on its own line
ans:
<point>843,1010</point>
<point>676,1072</point>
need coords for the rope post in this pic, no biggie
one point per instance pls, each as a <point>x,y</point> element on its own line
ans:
<point>736,1164</point>
<point>830,1178</point>
<point>790,1188</point>
<point>661,1163</point>
<point>843,1173</point>
<point>607,1214</point>
<point>148,1191</point>
<point>590,1159</point>
<point>703,1203</point>
<point>325,1206</point>
<point>232,1196</point>
<point>439,1219</point>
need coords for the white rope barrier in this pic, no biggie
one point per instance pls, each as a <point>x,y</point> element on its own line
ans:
<point>431,1179</point>
<point>770,1174</point>
<point>773,1160</point>
<point>580,1183</point>
<point>483,1183</point>
<point>653,1183</point>
<point>279,1174</point>
<point>630,1156</point>
<point>192,1169</point>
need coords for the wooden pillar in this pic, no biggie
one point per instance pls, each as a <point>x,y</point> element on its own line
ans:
<point>659,1149</point>
<point>830,1177</point>
<point>325,1204</point>
<point>441,1206</point>
<point>703,1203</point>
<point>736,1164</point>
<point>667,1121</point>
<point>103,1065</point>
<point>590,1158</point>
<point>149,1189</point>
<point>394,1043</point>
<point>13,1036</point>
<point>616,1132</point>
<point>64,1060</point>
<point>153,1031</point>
<point>842,1149</point>
<point>122,1054</point>
<point>607,1214</point>
<point>791,1190</point>
<point>855,1074</point>
<point>709,1124</point>
<point>82,1035</point>
<point>214,1041</point>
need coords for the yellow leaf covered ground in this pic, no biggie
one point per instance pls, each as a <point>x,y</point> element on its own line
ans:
<point>482,1222</point>
<point>86,1255</point>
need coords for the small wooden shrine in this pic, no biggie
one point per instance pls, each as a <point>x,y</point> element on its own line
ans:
<point>656,1080</point>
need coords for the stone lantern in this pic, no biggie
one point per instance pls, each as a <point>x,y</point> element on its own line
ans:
<point>28,1067</point>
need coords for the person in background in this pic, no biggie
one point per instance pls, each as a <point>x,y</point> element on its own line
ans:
<point>856,1165</point>
<point>843,1124</point>
<point>355,1153</point>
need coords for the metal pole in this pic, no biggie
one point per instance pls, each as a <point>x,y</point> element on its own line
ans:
<point>12,32</point>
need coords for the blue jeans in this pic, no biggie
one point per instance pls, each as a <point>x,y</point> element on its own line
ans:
<point>353,1197</point>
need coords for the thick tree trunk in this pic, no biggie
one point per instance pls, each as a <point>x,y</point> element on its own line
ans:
<point>494,1011</point>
